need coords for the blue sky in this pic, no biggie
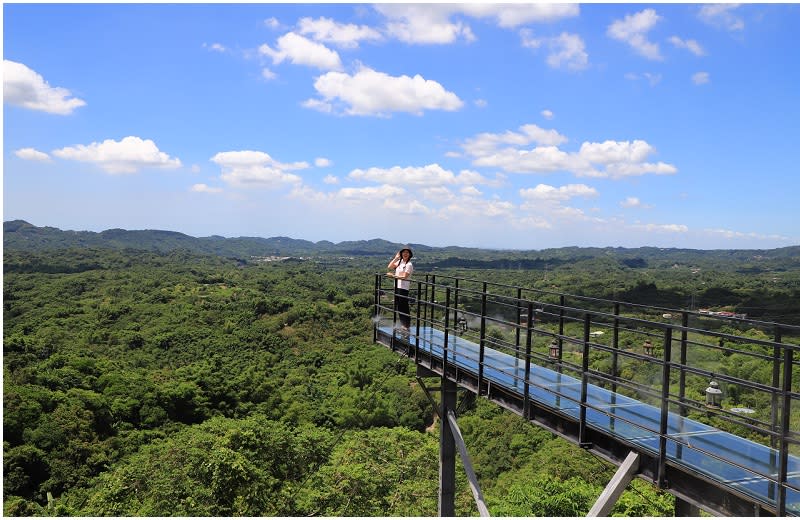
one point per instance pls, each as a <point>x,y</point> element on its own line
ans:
<point>520,126</point>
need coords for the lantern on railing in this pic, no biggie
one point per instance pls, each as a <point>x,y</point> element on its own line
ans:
<point>462,324</point>
<point>555,350</point>
<point>713,395</point>
<point>648,348</point>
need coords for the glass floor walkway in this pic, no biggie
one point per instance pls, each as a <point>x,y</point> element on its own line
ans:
<point>689,443</point>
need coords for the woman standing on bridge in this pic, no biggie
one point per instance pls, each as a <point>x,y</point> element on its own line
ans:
<point>403,268</point>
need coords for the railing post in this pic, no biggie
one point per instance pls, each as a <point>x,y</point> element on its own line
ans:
<point>526,409</point>
<point>662,433</point>
<point>377,308</point>
<point>482,342</point>
<point>783,463</point>
<point>587,321</point>
<point>455,304</point>
<point>432,301</point>
<point>776,384</point>
<point>416,335</point>
<point>614,354</point>
<point>446,346</point>
<point>682,373</point>
<point>560,323</point>
<point>516,324</point>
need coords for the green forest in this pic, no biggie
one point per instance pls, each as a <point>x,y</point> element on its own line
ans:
<point>147,382</point>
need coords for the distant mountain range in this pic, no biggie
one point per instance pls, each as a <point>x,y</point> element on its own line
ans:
<point>23,236</point>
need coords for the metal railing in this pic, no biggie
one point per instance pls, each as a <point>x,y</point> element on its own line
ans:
<point>738,375</point>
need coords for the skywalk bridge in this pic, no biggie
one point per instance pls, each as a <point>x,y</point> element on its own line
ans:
<point>706,405</point>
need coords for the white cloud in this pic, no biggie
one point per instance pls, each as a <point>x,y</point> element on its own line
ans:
<point>204,188</point>
<point>486,143</point>
<point>633,30</point>
<point>331,179</point>
<point>722,16</point>
<point>126,156</point>
<point>631,202</point>
<point>430,175</point>
<point>322,162</point>
<point>544,192</point>
<point>565,50</point>
<point>481,103</point>
<point>423,23</point>
<point>216,47</point>
<point>701,78</point>
<point>268,74</point>
<point>25,88</point>
<point>258,169</point>
<point>272,23</point>
<point>438,23</point>
<point>618,158</point>
<point>512,15</point>
<point>652,78</point>
<point>370,193</point>
<point>299,50</point>
<point>547,114</point>
<point>31,154</point>
<point>661,228</point>
<point>691,45</point>
<point>343,35</point>
<point>369,92</point>
<point>616,151</point>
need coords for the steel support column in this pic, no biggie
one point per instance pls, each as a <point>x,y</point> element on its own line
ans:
<point>447,451</point>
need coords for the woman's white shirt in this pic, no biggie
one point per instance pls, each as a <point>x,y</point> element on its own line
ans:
<point>403,267</point>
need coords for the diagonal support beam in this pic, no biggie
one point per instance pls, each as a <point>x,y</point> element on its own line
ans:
<point>610,495</point>
<point>467,462</point>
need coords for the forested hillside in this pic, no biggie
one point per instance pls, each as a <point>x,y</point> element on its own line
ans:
<point>155,382</point>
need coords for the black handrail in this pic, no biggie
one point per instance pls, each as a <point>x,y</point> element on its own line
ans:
<point>561,321</point>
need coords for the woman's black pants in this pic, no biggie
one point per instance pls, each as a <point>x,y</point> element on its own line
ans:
<point>401,305</point>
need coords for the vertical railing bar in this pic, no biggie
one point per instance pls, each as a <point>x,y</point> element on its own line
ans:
<point>455,304</point>
<point>776,384</point>
<point>482,342</point>
<point>683,358</point>
<point>526,410</point>
<point>446,330</point>
<point>377,308</point>
<point>662,433</point>
<point>587,320</point>
<point>561,302</point>
<point>783,463</point>
<point>419,306</point>
<point>516,323</point>
<point>615,355</point>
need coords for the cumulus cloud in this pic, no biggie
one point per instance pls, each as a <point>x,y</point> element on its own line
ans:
<point>633,30</point>
<point>547,114</point>
<point>631,202</point>
<point>216,47</point>
<point>26,88</point>
<point>129,155</point>
<point>544,192</point>
<point>613,159</point>
<point>430,175</point>
<point>652,78</point>
<point>661,228</point>
<point>721,16</point>
<point>299,50</point>
<point>372,93</point>
<point>701,78</point>
<point>690,45</point>
<point>257,169</point>
<point>32,154</point>
<point>330,31</point>
<point>444,23</point>
<point>565,50</point>
<point>331,179</point>
<point>322,162</point>
<point>204,188</point>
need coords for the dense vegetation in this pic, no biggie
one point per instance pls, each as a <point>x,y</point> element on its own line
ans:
<point>150,383</point>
